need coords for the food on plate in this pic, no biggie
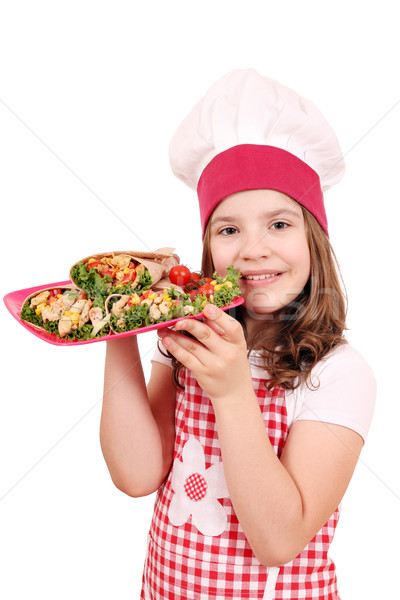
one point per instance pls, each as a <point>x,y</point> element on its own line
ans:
<point>194,283</point>
<point>132,311</point>
<point>66,312</point>
<point>117,292</point>
<point>122,272</point>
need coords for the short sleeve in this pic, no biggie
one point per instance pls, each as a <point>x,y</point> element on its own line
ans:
<point>345,395</point>
<point>158,356</point>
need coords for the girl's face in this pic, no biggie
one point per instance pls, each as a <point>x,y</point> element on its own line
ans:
<point>262,233</point>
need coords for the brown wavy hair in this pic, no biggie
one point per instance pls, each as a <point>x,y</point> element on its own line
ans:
<point>305,330</point>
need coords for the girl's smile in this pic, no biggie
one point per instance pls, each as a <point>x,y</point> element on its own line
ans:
<point>255,279</point>
<point>262,233</point>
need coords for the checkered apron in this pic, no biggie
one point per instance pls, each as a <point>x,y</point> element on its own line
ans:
<point>197,549</point>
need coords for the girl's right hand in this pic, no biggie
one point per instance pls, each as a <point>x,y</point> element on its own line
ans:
<point>218,359</point>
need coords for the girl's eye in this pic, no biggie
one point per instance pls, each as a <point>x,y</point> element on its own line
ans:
<point>227,231</point>
<point>279,225</point>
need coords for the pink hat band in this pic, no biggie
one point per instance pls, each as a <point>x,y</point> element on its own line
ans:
<point>255,167</point>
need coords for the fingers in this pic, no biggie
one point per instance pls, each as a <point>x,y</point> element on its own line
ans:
<point>204,334</point>
<point>212,336</point>
<point>188,351</point>
<point>214,326</point>
<point>233,331</point>
<point>218,326</point>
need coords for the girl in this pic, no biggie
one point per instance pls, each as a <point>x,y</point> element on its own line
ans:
<point>253,441</point>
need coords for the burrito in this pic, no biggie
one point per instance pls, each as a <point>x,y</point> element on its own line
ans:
<point>122,272</point>
<point>66,312</point>
<point>132,311</point>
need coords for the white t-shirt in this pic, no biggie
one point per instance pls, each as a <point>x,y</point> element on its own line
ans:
<point>345,396</point>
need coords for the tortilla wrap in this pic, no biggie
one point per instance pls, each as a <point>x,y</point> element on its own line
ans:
<point>158,263</point>
<point>68,286</point>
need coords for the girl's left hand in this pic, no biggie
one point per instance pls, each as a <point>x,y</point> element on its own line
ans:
<point>218,360</point>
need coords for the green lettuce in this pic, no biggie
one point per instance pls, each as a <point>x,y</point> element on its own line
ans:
<point>83,333</point>
<point>226,295</point>
<point>91,281</point>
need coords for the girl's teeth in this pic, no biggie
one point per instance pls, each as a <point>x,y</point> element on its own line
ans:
<point>266,276</point>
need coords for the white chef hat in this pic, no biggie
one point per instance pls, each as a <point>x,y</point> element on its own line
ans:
<point>250,132</point>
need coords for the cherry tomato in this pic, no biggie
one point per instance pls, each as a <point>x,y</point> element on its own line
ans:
<point>179,275</point>
<point>194,283</point>
<point>206,290</point>
<point>190,286</point>
<point>203,281</point>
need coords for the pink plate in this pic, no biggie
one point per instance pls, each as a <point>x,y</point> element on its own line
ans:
<point>15,300</point>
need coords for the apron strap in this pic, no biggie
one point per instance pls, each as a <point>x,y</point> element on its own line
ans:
<point>269,591</point>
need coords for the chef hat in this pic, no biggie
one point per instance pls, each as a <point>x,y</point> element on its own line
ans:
<point>250,132</point>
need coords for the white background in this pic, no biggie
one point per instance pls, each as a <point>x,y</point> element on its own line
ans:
<point>90,94</point>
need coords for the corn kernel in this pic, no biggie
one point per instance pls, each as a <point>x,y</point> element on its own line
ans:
<point>126,271</point>
<point>68,313</point>
<point>213,282</point>
<point>59,295</point>
<point>203,304</point>
<point>153,296</point>
<point>91,260</point>
<point>228,284</point>
<point>39,308</point>
<point>218,287</point>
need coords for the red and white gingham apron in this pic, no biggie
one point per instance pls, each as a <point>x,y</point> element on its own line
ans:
<point>197,549</point>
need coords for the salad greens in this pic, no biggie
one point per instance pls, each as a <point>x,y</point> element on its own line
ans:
<point>87,278</point>
<point>149,307</point>
<point>227,293</point>
<point>91,281</point>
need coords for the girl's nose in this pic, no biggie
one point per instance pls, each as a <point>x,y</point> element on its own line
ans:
<point>255,246</point>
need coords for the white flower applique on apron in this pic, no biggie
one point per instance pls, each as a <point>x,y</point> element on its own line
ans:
<point>197,490</point>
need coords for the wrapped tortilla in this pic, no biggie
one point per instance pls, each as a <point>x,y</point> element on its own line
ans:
<point>123,271</point>
<point>66,312</point>
<point>127,312</point>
